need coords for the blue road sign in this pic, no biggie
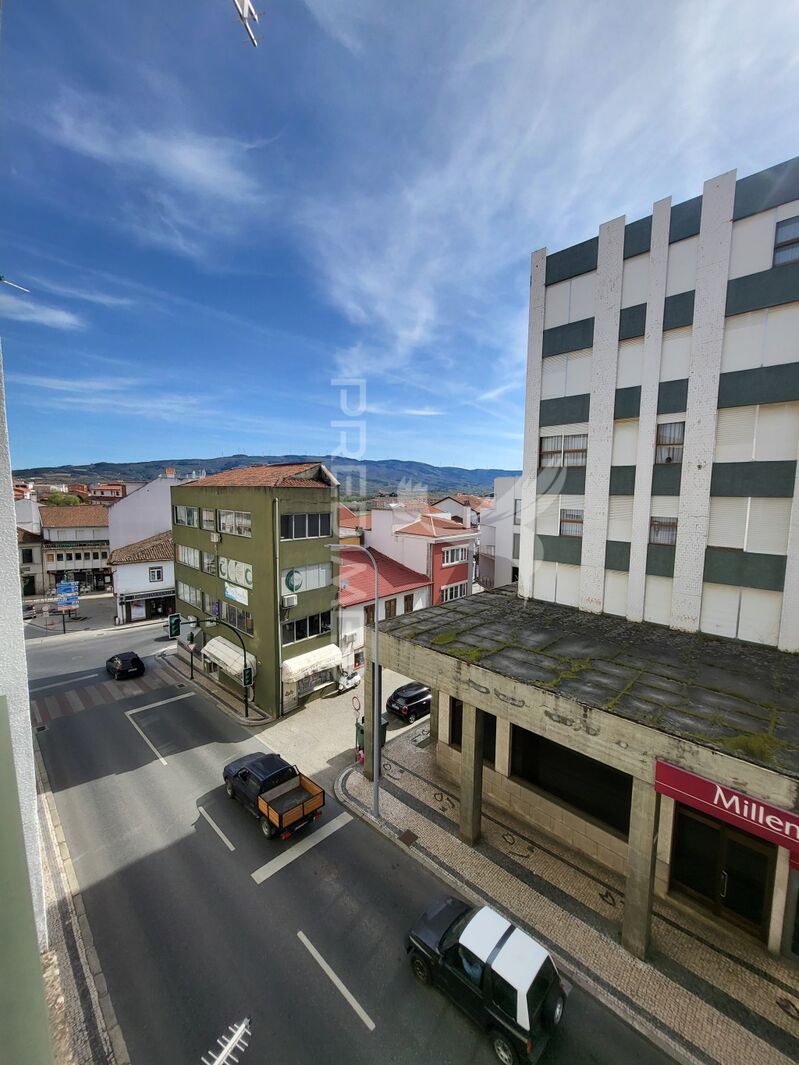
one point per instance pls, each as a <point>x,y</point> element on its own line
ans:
<point>67,587</point>
<point>67,602</point>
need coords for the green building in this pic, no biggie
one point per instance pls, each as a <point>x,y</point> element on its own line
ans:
<point>252,550</point>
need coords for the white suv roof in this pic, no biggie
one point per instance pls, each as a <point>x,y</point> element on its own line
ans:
<point>519,958</point>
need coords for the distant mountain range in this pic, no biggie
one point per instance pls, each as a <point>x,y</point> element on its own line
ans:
<point>358,479</point>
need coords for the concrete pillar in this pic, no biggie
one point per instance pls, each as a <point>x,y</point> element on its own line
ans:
<point>644,816</point>
<point>779,899</point>
<point>502,758</point>
<point>435,701</point>
<point>471,773</point>
<point>367,709</point>
<point>443,720</point>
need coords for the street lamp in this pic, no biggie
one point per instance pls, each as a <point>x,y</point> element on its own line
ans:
<point>375,684</point>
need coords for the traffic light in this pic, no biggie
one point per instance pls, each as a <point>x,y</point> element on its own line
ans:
<point>173,622</point>
<point>246,676</point>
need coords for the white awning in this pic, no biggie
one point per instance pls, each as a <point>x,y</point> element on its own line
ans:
<point>303,665</point>
<point>228,657</point>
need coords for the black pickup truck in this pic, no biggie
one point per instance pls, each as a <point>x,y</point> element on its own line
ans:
<point>276,792</point>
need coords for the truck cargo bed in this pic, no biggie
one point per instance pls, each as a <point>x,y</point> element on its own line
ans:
<point>288,799</point>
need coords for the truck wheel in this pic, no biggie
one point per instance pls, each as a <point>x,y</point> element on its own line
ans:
<point>229,789</point>
<point>553,1011</point>
<point>504,1050</point>
<point>268,828</point>
<point>421,969</point>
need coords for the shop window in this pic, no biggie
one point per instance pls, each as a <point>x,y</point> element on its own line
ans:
<point>595,789</point>
<point>669,443</point>
<point>455,723</point>
<point>407,604</point>
<point>391,608</point>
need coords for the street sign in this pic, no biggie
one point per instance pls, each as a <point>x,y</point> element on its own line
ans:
<point>67,587</point>
<point>68,602</point>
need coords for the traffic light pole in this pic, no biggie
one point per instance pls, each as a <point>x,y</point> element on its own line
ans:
<point>216,621</point>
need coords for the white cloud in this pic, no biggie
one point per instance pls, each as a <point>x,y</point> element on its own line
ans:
<point>86,295</point>
<point>27,310</point>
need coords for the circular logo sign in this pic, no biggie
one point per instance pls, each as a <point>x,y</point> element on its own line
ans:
<point>294,580</point>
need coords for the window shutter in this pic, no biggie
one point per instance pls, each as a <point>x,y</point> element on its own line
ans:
<point>777,432</point>
<point>567,586</point>
<point>625,443</point>
<point>615,601</point>
<point>760,616</point>
<point>727,527</point>
<point>657,600</point>
<point>553,377</point>
<point>735,434</point>
<point>578,373</point>
<point>719,614</point>
<point>620,518</point>
<point>665,506</point>
<point>769,521</point>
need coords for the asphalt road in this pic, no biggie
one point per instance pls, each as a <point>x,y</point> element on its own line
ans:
<point>190,942</point>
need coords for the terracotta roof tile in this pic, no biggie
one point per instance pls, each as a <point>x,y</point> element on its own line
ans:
<point>77,517</point>
<point>158,548</point>
<point>25,536</point>
<point>286,475</point>
<point>393,578</point>
<point>430,525</point>
<point>348,519</point>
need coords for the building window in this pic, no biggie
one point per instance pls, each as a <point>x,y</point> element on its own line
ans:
<point>238,618</point>
<point>450,556</point>
<point>304,526</point>
<point>390,608</point>
<point>550,451</point>
<point>95,555</point>
<point>235,522</point>
<point>455,722</point>
<point>306,628</point>
<point>571,522</point>
<point>669,442</point>
<point>189,594</point>
<point>786,241</point>
<point>156,574</point>
<point>563,450</point>
<point>369,614</point>
<point>662,530</point>
<point>517,510</point>
<point>103,554</point>
<point>27,556</point>
<point>50,556</point>
<point>60,557</point>
<point>306,578</point>
<point>209,563</point>
<point>407,604</point>
<point>186,516</point>
<point>209,518</point>
<point>187,556</point>
<point>489,739</point>
<point>453,591</point>
<point>515,548</point>
<point>210,605</point>
<point>69,556</point>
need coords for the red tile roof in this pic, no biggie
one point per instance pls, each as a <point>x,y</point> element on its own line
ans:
<point>435,527</point>
<point>24,536</point>
<point>158,548</point>
<point>77,517</point>
<point>359,575</point>
<point>348,519</point>
<point>285,475</point>
<point>475,502</point>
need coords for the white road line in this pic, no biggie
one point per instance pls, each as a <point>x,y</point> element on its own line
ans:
<point>61,683</point>
<point>367,1020</point>
<point>150,706</point>
<point>216,829</point>
<point>297,852</point>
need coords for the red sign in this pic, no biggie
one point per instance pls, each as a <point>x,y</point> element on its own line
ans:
<point>734,807</point>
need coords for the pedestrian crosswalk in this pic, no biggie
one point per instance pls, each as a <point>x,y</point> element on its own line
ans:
<point>55,704</point>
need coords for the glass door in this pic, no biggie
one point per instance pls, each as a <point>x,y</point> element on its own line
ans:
<point>746,879</point>
<point>696,857</point>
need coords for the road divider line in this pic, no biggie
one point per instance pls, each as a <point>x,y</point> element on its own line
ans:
<point>297,851</point>
<point>151,706</point>
<point>61,683</point>
<point>367,1020</point>
<point>216,829</point>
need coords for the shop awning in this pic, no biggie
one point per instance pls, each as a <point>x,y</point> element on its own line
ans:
<point>295,669</point>
<point>228,657</point>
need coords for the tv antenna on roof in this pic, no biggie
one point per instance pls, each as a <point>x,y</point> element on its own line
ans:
<point>235,1042</point>
<point>247,14</point>
<point>3,280</point>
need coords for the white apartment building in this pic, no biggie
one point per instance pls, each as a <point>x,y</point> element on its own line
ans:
<point>142,513</point>
<point>662,417</point>
<point>500,528</point>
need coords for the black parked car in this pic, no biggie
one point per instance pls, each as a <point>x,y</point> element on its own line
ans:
<point>498,975</point>
<point>125,664</point>
<point>410,702</point>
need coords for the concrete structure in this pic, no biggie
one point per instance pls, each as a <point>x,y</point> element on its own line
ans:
<point>75,544</point>
<point>142,513</point>
<point>251,548</point>
<point>500,535</point>
<point>31,563</point>
<point>401,592</point>
<point>27,515</point>
<point>660,466</point>
<point>465,508</point>
<point>351,525</point>
<point>144,578</point>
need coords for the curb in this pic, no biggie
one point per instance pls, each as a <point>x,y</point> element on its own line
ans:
<point>653,1035</point>
<point>213,693</point>
<point>37,640</point>
<point>92,974</point>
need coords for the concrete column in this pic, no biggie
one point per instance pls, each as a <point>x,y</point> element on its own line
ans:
<point>502,760</point>
<point>779,899</point>
<point>644,815</point>
<point>368,715</point>
<point>435,700</point>
<point>471,773</point>
<point>532,420</point>
<point>443,720</point>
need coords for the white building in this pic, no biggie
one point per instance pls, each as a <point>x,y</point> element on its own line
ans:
<point>662,417</point>
<point>142,513</point>
<point>144,578</point>
<point>466,509</point>
<point>401,591</point>
<point>27,515</point>
<point>76,545</point>
<point>31,563</point>
<point>500,528</point>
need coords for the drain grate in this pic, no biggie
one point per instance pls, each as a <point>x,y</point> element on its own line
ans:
<point>180,685</point>
<point>407,837</point>
<point>41,728</point>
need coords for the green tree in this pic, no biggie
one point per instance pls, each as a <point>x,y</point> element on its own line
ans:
<point>62,499</point>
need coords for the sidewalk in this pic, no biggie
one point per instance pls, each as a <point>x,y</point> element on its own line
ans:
<point>705,995</point>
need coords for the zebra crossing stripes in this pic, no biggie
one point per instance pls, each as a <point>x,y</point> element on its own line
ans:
<point>45,709</point>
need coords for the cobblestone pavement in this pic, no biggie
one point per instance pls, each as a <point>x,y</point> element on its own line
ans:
<point>706,995</point>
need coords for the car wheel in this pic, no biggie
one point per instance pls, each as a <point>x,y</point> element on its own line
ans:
<point>411,718</point>
<point>504,1050</point>
<point>421,969</point>
<point>229,789</point>
<point>268,828</point>
<point>553,1012</point>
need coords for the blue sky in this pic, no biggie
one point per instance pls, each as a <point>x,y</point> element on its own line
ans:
<point>214,235</point>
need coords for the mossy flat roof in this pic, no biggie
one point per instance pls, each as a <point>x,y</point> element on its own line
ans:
<point>735,697</point>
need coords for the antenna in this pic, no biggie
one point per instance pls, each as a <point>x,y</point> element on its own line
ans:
<point>2,279</point>
<point>229,1045</point>
<point>247,13</point>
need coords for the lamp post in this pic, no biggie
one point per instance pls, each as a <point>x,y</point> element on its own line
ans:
<point>375,684</point>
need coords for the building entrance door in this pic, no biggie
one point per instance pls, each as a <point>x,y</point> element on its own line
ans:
<point>730,872</point>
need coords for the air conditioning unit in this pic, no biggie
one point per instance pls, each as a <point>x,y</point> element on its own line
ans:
<point>289,601</point>
<point>216,538</point>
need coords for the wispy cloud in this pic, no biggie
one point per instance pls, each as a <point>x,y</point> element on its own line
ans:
<point>86,295</point>
<point>20,309</point>
<point>411,412</point>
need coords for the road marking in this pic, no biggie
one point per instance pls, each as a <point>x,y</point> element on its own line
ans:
<point>367,1020</point>
<point>61,683</point>
<point>216,829</point>
<point>151,706</point>
<point>297,852</point>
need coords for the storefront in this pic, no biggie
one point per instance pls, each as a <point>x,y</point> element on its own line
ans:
<point>305,674</point>
<point>725,852</point>
<point>144,606</point>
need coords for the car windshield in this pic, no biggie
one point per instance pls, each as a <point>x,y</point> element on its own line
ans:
<point>453,933</point>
